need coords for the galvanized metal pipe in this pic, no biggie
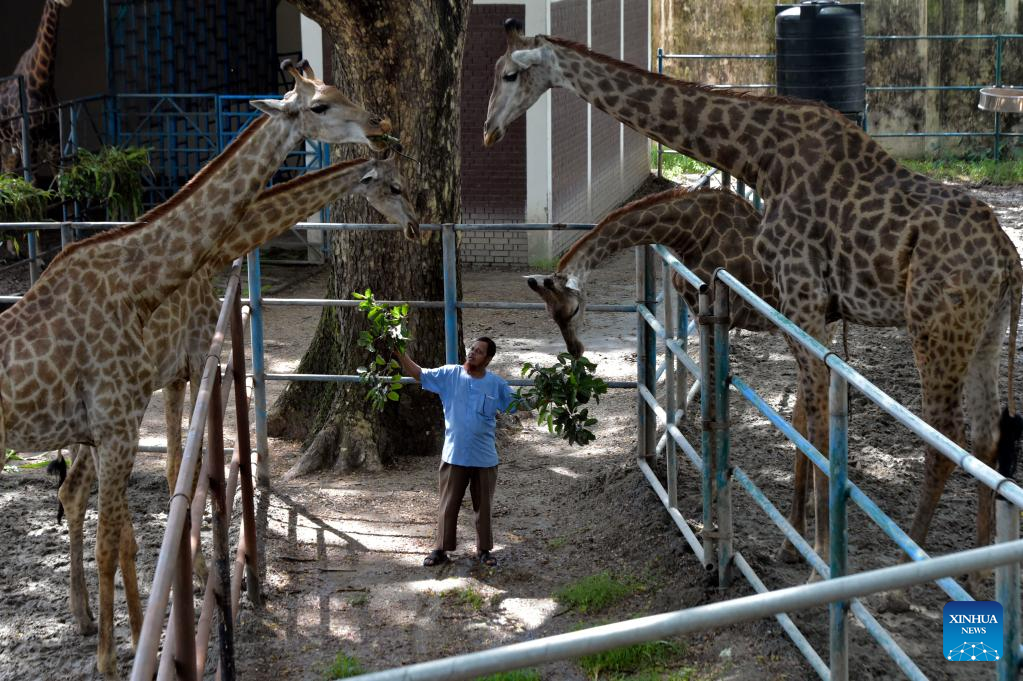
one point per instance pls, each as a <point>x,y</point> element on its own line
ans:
<point>886,524</point>
<point>1007,585</point>
<point>448,244</point>
<point>722,467</point>
<point>701,618</point>
<point>671,429</point>
<point>258,369</point>
<point>972,465</point>
<point>707,435</point>
<point>673,512</point>
<point>838,410</point>
<point>671,457</point>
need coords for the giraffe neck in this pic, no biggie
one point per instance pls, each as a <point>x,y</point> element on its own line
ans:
<point>154,256</point>
<point>276,209</point>
<point>718,127</point>
<point>37,62</point>
<point>658,219</point>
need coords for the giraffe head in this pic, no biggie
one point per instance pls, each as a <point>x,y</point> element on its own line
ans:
<point>381,187</point>
<point>62,3</point>
<point>566,304</point>
<point>526,70</point>
<point>320,112</point>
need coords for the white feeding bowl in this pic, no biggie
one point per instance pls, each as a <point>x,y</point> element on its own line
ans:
<point>1001,99</point>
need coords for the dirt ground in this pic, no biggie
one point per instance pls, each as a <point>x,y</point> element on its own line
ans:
<point>343,569</point>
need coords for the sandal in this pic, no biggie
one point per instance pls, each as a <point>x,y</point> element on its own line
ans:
<point>436,557</point>
<point>487,559</point>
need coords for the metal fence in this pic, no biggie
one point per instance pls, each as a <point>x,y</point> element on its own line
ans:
<point>664,326</point>
<point>996,132</point>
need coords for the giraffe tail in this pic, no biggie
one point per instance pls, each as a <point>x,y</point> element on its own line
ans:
<point>58,467</point>
<point>1010,426</point>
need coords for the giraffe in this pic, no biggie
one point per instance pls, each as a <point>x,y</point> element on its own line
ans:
<point>707,229</point>
<point>847,232</point>
<point>36,65</point>
<point>73,346</point>
<point>178,334</point>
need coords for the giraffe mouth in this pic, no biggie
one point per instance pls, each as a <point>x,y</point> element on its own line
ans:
<point>492,137</point>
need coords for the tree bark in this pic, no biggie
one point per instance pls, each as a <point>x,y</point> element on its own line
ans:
<point>401,58</point>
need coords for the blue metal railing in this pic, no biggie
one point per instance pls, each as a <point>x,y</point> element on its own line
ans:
<point>715,548</point>
<point>996,132</point>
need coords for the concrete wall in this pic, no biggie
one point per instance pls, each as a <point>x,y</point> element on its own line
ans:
<point>747,26</point>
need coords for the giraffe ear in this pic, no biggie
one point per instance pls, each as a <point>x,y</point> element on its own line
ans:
<point>272,107</point>
<point>526,58</point>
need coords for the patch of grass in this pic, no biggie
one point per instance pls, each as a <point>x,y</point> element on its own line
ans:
<point>596,592</point>
<point>556,543</point>
<point>343,667</point>
<point>468,597</point>
<point>358,601</point>
<point>982,171</point>
<point>517,675</point>
<point>676,165</point>
<point>641,661</point>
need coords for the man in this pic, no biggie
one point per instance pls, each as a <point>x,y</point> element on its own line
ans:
<point>471,397</point>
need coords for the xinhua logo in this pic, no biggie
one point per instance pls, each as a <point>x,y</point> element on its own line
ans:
<point>972,631</point>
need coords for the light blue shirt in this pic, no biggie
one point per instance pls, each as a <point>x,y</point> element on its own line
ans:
<point>470,412</point>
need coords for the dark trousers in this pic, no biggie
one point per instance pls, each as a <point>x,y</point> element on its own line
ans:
<point>453,480</point>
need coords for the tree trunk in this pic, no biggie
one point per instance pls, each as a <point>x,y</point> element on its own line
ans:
<point>401,58</point>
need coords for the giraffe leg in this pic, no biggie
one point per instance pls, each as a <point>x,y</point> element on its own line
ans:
<point>814,378</point>
<point>126,554</point>
<point>982,406</point>
<point>116,453</point>
<point>800,483</point>
<point>174,405</point>
<point>74,495</point>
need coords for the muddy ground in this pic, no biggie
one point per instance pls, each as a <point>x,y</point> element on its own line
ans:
<point>343,567</point>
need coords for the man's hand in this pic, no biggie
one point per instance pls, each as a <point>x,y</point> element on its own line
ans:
<point>408,367</point>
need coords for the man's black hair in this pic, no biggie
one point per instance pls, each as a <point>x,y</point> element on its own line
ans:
<point>491,346</point>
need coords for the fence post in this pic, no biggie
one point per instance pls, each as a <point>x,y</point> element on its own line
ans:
<point>660,147</point>
<point>838,400</point>
<point>723,470</point>
<point>221,528</point>
<point>670,455</point>
<point>184,608</point>
<point>646,353</point>
<point>1007,591</point>
<point>449,245</point>
<point>243,445</point>
<point>998,83</point>
<point>258,370</point>
<point>708,437</point>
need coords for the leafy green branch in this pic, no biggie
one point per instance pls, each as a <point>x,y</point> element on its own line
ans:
<point>558,394</point>
<point>111,177</point>
<point>388,334</point>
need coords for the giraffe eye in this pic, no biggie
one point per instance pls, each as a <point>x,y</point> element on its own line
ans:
<point>395,189</point>
<point>510,77</point>
<point>319,108</point>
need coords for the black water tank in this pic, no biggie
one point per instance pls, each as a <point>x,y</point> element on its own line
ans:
<point>820,54</point>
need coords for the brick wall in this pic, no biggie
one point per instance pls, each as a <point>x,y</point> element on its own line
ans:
<point>636,162</point>
<point>494,179</point>
<point>569,189</point>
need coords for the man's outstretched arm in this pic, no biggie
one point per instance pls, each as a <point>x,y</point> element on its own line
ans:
<point>410,368</point>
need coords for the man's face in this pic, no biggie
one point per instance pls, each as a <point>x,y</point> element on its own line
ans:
<point>476,357</point>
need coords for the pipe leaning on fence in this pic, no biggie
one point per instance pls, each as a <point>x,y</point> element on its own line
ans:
<point>702,618</point>
<point>176,545</point>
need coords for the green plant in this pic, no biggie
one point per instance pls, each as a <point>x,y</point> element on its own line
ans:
<point>20,201</point>
<point>358,601</point>
<point>674,166</point>
<point>543,264</point>
<point>556,543</point>
<point>467,596</point>
<point>596,592</point>
<point>11,464</point>
<point>111,178</point>
<point>388,334</point>
<point>558,393</point>
<point>641,661</point>
<point>516,675</point>
<point>343,667</point>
